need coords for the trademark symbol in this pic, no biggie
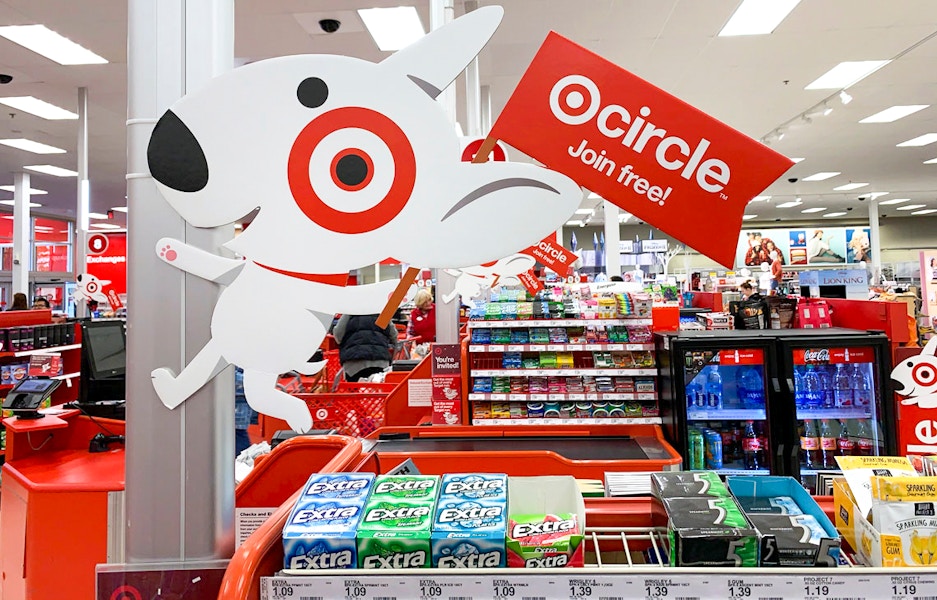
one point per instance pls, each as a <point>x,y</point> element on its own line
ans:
<point>723,196</point>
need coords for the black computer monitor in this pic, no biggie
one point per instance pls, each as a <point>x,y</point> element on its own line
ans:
<point>103,361</point>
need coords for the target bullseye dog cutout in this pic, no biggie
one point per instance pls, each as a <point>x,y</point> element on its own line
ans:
<point>349,162</point>
<point>916,377</point>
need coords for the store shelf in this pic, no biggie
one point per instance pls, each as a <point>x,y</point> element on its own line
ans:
<point>561,372</point>
<point>727,414</point>
<point>593,397</point>
<point>67,376</point>
<point>834,413</point>
<point>559,347</point>
<point>518,323</point>
<point>728,472</point>
<point>571,421</point>
<point>39,351</point>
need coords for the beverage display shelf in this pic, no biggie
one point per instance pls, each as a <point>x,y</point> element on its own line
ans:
<point>594,397</point>
<point>833,413</point>
<point>571,421</point>
<point>731,471</point>
<point>727,414</point>
<point>610,347</point>
<point>562,372</point>
<point>515,323</point>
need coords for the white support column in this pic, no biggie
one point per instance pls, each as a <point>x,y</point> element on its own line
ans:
<point>612,237</point>
<point>22,252</point>
<point>485,95</point>
<point>179,464</point>
<point>83,194</point>
<point>875,239</point>
<point>559,236</point>
<point>447,315</point>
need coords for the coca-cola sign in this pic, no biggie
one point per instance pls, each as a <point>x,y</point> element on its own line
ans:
<point>834,356</point>
<point>812,356</point>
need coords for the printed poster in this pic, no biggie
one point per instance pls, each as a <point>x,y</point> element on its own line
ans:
<point>804,246</point>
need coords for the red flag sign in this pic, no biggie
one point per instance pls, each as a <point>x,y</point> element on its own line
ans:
<point>531,282</point>
<point>637,146</point>
<point>554,256</point>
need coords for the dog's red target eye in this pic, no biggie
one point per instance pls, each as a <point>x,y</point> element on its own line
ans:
<point>351,170</point>
<point>924,374</point>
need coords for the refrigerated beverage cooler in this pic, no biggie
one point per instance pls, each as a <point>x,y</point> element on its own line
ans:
<point>784,402</point>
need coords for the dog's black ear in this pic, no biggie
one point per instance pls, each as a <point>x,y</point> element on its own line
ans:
<point>434,61</point>
<point>175,157</point>
<point>79,278</point>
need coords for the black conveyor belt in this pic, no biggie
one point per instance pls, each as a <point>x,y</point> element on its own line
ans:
<point>572,448</point>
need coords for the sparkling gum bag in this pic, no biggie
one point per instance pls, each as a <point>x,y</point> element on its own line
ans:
<point>906,508</point>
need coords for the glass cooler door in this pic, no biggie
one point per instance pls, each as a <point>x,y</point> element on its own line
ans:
<point>727,415</point>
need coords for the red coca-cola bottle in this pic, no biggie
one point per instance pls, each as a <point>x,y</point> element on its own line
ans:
<point>845,445</point>
<point>810,445</point>
<point>828,445</point>
<point>865,445</point>
<point>753,451</point>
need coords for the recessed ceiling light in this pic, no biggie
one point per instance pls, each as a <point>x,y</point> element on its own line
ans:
<point>925,212</point>
<point>893,201</point>
<point>894,113</point>
<point>878,194</point>
<point>94,215</point>
<point>31,146</point>
<point>796,160</point>
<point>585,211</point>
<point>821,176</point>
<point>11,202</point>
<point>749,217</point>
<point>760,199</point>
<point>846,74</point>
<point>815,209</point>
<point>392,28</point>
<point>911,206</point>
<point>791,204</point>
<point>52,170</point>
<point>921,140</point>
<point>624,217</point>
<point>757,17</point>
<point>32,191</point>
<point>834,214</point>
<point>42,40</point>
<point>574,222</point>
<point>106,226</point>
<point>39,108</point>
<point>122,209</point>
<point>932,161</point>
<point>849,186</point>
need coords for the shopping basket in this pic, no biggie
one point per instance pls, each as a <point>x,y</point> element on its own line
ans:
<point>357,409</point>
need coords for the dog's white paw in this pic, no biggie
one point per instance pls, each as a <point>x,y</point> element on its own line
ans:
<point>298,417</point>
<point>164,383</point>
<point>311,368</point>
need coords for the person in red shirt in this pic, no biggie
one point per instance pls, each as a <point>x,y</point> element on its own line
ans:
<point>423,318</point>
<point>777,271</point>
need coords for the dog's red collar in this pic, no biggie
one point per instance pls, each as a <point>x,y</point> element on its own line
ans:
<point>338,279</point>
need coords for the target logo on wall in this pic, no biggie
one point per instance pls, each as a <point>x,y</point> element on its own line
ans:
<point>97,243</point>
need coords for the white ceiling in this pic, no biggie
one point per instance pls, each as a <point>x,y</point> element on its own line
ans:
<point>756,84</point>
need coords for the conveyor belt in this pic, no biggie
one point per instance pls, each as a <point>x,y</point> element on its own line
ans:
<point>572,448</point>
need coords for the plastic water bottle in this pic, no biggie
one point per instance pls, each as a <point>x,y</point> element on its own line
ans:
<point>826,387</point>
<point>751,389</point>
<point>714,389</point>
<point>862,389</point>
<point>842,388</point>
<point>813,395</point>
<point>693,391</point>
<point>800,398</point>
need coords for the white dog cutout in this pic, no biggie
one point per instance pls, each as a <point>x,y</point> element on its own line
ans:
<point>90,288</point>
<point>472,281</point>
<point>349,162</point>
<point>918,377</point>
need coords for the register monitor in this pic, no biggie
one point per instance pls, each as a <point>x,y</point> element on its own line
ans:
<point>103,361</point>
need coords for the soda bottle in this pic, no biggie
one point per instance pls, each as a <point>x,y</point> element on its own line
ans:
<point>799,397</point>
<point>826,387</point>
<point>729,442</point>
<point>863,394</point>
<point>693,391</point>
<point>827,445</point>
<point>697,450</point>
<point>810,445</point>
<point>842,388</point>
<point>845,444</point>
<point>813,396</point>
<point>751,389</point>
<point>751,447</point>
<point>714,389</point>
<point>865,445</point>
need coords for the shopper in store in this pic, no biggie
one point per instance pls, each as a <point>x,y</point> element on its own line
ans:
<point>40,303</point>
<point>777,271</point>
<point>422,325</point>
<point>363,348</point>
<point>749,291</point>
<point>19,302</point>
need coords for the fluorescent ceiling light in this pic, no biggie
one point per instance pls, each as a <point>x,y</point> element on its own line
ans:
<point>32,191</point>
<point>796,160</point>
<point>748,217</point>
<point>932,161</point>
<point>878,195</point>
<point>760,199</point>
<point>31,146</point>
<point>585,211</point>
<point>43,228</point>
<point>393,28</point>
<point>574,222</point>
<point>42,40</point>
<point>845,98</point>
<point>921,140</point>
<point>925,212</point>
<point>893,201</point>
<point>821,176</point>
<point>757,17</point>
<point>846,74</point>
<point>834,214</point>
<point>911,206</point>
<point>791,204</point>
<point>849,186</point>
<point>894,113</point>
<point>815,209</point>
<point>122,209</point>
<point>106,226</point>
<point>11,202</point>
<point>94,215</point>
<point>39,108</point>
<point>52,170</point>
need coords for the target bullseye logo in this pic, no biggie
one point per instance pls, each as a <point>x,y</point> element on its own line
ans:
<point>568,99</point>
<point>924,374</point>
<point>353,170</point>
<point>126,592</point>
<point>92,287</point>
<point>97,243</point>
<point>322,414</point>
